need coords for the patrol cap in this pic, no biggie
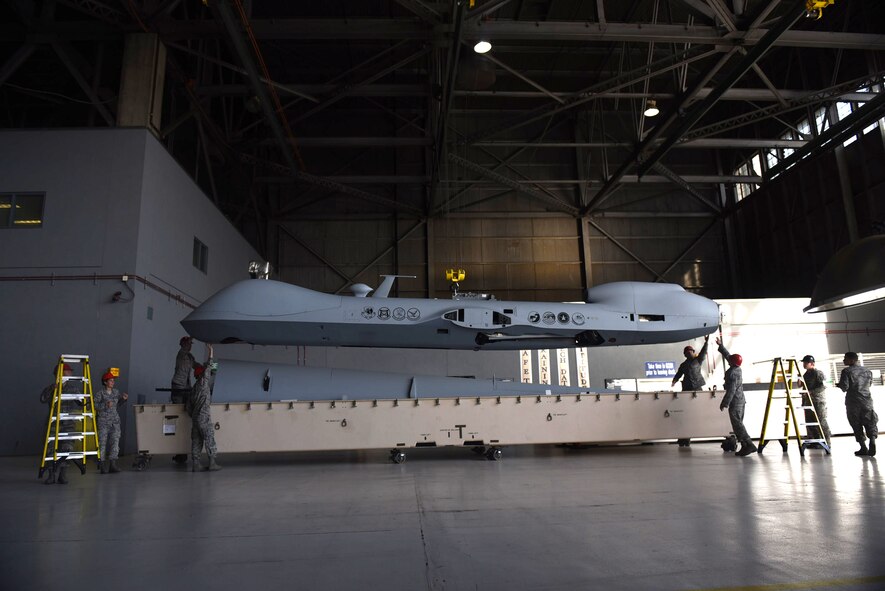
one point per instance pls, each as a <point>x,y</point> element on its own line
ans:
<point>808,359</point>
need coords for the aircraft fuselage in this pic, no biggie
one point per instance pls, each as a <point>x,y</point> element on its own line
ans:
<point>275,313</point>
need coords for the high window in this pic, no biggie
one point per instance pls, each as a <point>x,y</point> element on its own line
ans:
<point>201,255</point>
<point>807,129</point>
<point>21,210</point>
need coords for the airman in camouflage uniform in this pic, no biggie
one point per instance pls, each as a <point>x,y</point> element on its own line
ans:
<point>184,365</point>
<point>181,381</point>
<point>58,469</point>
<point>734,400</point>
<point>817,392</point>
<point>855,381</point>
<point>202,430</point>
<point>691,368</point>
<point>106,401</point>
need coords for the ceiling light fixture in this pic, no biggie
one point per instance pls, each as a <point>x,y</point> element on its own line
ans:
<point>855,275</point>
<point>482,46</point>
<point>651,108</point>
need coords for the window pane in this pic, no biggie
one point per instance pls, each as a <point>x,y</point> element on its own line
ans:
<point>820,119</point>
<point>757,166</point>
<point>5,210</point>
<point>804,127</point>
<point>871,127</point>
<point>844,109</point>
<point>196,255</point>
<point>28,211</point>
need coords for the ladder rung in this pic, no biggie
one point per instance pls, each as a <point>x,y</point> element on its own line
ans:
<point>67,416</point>
<point>71,436</point>
<point>75,379</point>
<point>74,357</point>
<point>73,455</point>
<point>74,396</point>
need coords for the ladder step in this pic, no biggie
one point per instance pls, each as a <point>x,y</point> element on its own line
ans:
<point>78,455</point>
<point>74,357</point>
<point>66,379</point>
<point>69,416</point>
<point>72,436</point>
<point>74,396</point>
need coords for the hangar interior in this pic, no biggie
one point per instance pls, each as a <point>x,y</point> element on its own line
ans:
<point>150,149</point>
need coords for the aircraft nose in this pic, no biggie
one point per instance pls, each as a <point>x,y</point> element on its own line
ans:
<point>706,310</point>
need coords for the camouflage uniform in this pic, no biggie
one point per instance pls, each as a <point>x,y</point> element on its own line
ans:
<point>67,406</point>
<point>691,369</point>
<point>181,379</point>
<point>817,390</point>
<point>734,400</point>
<point>202,430</point>
<point>108,423</point>
<point>855,381</point>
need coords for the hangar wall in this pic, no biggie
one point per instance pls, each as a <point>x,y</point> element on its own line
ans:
<point>789,228</point>
<point>115,204</point>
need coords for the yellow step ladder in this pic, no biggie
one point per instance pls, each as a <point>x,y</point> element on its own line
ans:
<point>786,370</point>
<point>72,404</point>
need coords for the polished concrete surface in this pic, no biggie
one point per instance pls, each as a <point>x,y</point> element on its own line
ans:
<point>631,517</point>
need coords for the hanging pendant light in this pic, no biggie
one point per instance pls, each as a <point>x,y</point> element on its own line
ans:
<point>482,46</point>
<point>855,275</point>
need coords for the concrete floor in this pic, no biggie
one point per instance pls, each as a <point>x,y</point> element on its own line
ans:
<point>632,517</point>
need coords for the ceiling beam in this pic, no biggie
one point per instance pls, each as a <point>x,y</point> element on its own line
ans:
<point>794,12</point>
<point>558,31</point>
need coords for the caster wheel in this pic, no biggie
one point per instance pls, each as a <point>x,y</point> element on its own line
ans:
<point>397,457</point>
<point>494,454</point>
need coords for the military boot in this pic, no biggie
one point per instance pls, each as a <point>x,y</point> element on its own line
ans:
<point>103,467</point>
<point>61,475</point>
<point>113,467</point>
<point>50,476</point>
<point>872,447</point>
<point>213,465</point>
<point>863,451</point>
<point>746,449</point>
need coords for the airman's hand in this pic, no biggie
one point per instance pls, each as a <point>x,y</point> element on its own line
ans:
<point>125,396</point>
<point>723,406</point>
<point>718,341</point>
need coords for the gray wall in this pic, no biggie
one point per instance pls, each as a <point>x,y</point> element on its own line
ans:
<point>116,203</point>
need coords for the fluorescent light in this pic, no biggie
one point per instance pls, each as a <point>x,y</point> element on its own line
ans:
<point>854,276</point>
<point>651,108</point>
<point>482,47</point>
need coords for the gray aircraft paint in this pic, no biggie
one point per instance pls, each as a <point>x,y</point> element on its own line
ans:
<point>274,313</point>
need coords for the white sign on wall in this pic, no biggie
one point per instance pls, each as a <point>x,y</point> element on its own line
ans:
<point>544,366</point>
<point>582,360</point>
<point>562,368</point>
<point>525,366</point>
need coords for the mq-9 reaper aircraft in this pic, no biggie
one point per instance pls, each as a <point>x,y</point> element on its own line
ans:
<point>266,312</point>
